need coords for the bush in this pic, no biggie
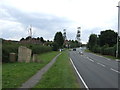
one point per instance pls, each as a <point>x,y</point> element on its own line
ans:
<point>12,47</point>
<point>103,52</point>
<point>110,51</point>
<point>96,49</point>
<point>55,46</point>
<point>37,49</point>
<point>8,48</point>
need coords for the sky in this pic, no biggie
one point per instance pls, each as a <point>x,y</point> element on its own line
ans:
<point>50,16</point>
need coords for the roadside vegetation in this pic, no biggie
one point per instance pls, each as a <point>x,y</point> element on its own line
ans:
<point>107,56</point>
<point>12,47</point>
<point>104,44</point>
<point>60,75</point>
<point>14,74</point>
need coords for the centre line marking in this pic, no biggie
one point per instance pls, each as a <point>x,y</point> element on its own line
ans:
<point>108,59</point>
<point>91,60</point>
<point>114,70</point>
<point>101,64</point>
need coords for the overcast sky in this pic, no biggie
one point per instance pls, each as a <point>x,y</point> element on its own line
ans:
<point>50,16</point>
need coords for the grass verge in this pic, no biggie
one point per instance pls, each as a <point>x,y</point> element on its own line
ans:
<point>60,75</point>
<point>107,56</point>
<point>14,74</point>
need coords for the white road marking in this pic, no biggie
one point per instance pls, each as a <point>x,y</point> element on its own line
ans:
<point>91,60</point>
<point>108,59</point>
<point>79,75</point>
<point>114,70</point>
<point>117,60</point>
<point>101,64</point>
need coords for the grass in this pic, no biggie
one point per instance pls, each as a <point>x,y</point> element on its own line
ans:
<point>60,75</point>
<point>107,56</point>
<point>14,74</point>
<point>87,50</point>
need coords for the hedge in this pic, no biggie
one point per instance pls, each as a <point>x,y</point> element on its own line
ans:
<point>12,47</point>
<point>106,50</point>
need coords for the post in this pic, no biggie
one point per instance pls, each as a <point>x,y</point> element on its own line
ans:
<point>118,29</point>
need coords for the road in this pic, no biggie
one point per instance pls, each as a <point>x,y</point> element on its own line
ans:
<point>96,71</point>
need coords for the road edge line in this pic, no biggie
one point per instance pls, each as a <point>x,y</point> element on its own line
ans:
<point>79,75</point>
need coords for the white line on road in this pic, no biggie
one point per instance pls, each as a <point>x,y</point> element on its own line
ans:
<point>101,64</point>
<point>79,75</point>
<point>114,70</point>
<point>91,60</point>
<point>108,59</point>
<point>117,60</point>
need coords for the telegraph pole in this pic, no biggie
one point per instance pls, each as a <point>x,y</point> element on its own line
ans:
<point>118,29</point>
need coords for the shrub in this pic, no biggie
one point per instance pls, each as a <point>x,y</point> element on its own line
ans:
<point>12,47</point>
<point>96,49</point>
<point>55,46</point>
<point>37,49</point>
<point>8,48</point>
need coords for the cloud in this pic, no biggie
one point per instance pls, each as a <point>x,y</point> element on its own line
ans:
<point>15,23</point>
<point>49,16</point>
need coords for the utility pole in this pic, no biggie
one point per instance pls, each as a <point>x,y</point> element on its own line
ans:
<point>118,29</point>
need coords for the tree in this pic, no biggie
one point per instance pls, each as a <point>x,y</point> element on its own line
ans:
<point>59,39</point>
<point>22,39</point>
<point>42,40</point>
<point>29,37</point>
<point>92,41</point>
<point>38,38</point>
<point>55,46</point>
<point>108,37</point>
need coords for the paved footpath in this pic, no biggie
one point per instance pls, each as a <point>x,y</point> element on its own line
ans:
<point>36,78</point>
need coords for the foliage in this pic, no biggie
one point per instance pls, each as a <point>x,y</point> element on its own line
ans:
<point>59,39</point>
<point>74,44</point>
<point>92,41</point>
<point>12,47</point>
<point>55,46</point>
<point>37,49</point>
<point>108,37</point>
<point>104,44</point>
<point>7,48</point>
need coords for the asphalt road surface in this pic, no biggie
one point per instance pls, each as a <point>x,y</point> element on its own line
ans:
<point>96,71</point>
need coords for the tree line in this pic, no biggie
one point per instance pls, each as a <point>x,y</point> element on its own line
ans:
<point>60,42</point>
<point>104,43</point>
<point>9,46</point>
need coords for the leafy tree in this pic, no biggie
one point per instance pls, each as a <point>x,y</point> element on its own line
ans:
<point>42,40</point>
<point>92,41</point>
<point>59,39</point>
<point>22,39</point>
<point>108,37</point>
<point>55,46</point>
<point>29,37</point>
<point>38,38</point>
